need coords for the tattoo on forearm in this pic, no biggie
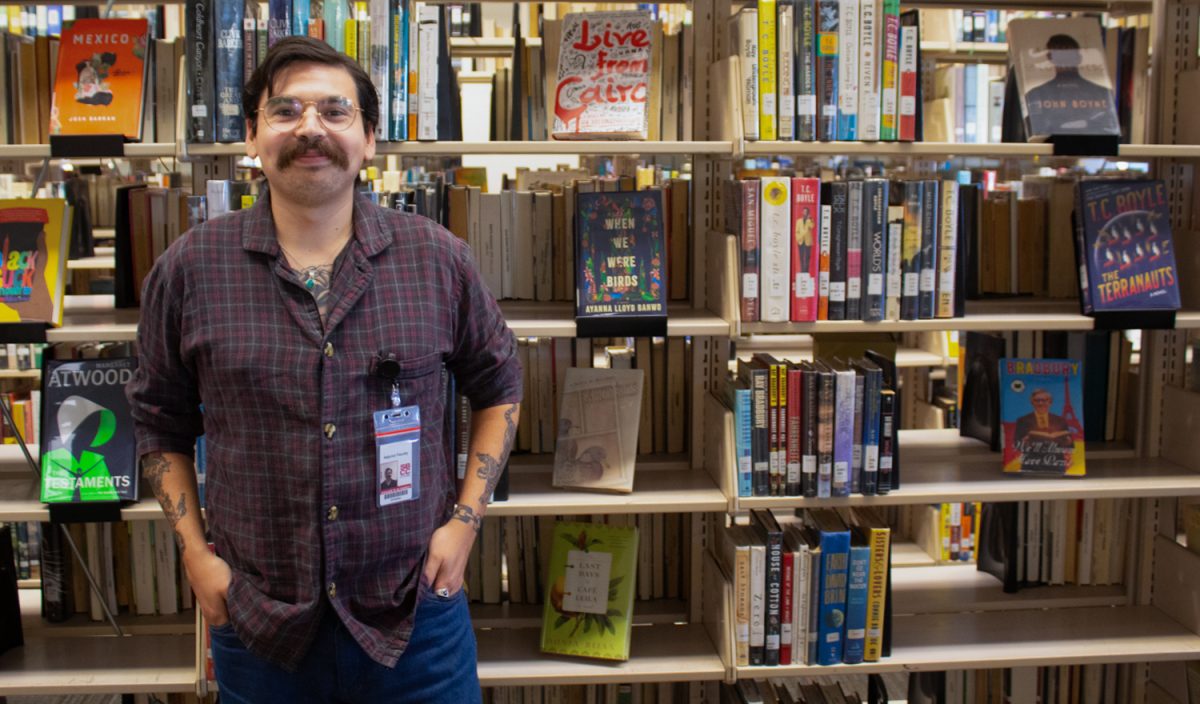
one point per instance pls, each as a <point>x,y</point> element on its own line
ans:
<point>154,466</point>
<point>490,467</point>
<point>467,515</point>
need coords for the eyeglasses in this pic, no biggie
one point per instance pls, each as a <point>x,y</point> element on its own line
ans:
<point>283,113</point>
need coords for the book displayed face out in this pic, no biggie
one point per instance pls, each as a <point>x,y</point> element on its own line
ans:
<point>101,71</point>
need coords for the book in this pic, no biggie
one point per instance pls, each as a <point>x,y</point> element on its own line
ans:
<point>620,245</point>
<point>1042,433</point>
<point>1123,242</point>
<point>98,88</point>
<point>590,583</point>
<point>35,238</point>
<point>87,449</point>
<point>604,76</point>
<point>1062,77</point>
<point>599,414</point>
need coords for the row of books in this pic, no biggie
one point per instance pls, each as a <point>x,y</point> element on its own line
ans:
<point>947,532</point>
<point>867,249</point>
<point>808,589</point>
<point>1061,684</point>
<point>25,407</point>
<point>823,429</point>
<point>797,691</point>
<point>639,693</point>
<point>21,355</point>
<point>963,25</point>
<point>827,70</point>
<point>27,547</point>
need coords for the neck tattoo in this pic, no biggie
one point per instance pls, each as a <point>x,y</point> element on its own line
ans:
<point>309,274</point>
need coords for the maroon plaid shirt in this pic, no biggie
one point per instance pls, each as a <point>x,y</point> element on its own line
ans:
<point>291,493</point>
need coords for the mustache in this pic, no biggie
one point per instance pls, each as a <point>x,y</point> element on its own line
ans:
<point>322,146</point>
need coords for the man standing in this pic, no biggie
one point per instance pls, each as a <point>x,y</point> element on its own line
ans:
<point>296,323</point>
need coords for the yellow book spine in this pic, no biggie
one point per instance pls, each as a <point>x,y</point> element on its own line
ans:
<point>880,540</point>
<point>767,62</point>
<point>351,38</point>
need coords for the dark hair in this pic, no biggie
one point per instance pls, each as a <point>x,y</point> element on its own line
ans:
<point>1061,42</point>
<point>294,50</point>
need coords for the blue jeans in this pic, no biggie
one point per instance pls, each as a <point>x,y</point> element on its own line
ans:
<point>438,666</point>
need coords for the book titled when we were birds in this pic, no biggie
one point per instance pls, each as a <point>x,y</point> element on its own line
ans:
<point>621,255</point>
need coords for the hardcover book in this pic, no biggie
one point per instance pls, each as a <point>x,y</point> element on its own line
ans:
<point>101,72</point>
<point>35,237</point>
<point>1123,241</point>
<point>599,415</point>
<point>87,450</point>
<point>589,601</point>
<point>604,76</point>
<point>1042,433</point>
<point>621,255</point>
<point>1062,77</point>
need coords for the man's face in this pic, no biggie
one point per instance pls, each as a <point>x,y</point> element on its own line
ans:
<point>387,474</point>
<point>1041,402</point>
<point>310,163</point>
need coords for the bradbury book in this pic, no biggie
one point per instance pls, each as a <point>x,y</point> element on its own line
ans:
<point>88,451</point>
<point>599,415</point>
<point>1123,245</point>
<point>621,256</point>
<point>34,240</point>
<point>604,73</point>
<point>98,87</point>
<point>1038,402</point>
<point>588,604</point>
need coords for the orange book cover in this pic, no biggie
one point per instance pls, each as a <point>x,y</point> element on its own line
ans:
<point>34,240</point>
<point>101,72</point>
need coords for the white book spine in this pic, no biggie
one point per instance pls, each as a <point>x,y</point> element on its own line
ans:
<point>848,88</point>
<point>758,596</point>
<point>947,250</point>
<point>868,72</point>
<point>380,63</point>
<point>745,37</point>
<point>427,72</point>
<point>776,262</point>
<point>787,71</point>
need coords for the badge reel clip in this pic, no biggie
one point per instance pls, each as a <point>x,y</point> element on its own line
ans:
<point>397,439</point>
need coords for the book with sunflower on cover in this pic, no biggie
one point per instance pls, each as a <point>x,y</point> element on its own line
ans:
<point>589,604</point>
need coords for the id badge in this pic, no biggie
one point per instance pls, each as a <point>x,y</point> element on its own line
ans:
<point>398,454</point>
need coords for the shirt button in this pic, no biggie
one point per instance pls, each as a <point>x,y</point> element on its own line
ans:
<point>332,590</point>
<point>332,513</point>
<point>330,429</point>
<point>329,349</point>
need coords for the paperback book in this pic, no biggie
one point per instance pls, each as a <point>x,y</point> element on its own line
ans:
<point>88,451</point>
<point>98,88</point>
<point>1042,433</point>
<point>588,605</point>
<point>34,240</point>
<point>599,415</point>
<point>604,74</point>
<point>621,256</point>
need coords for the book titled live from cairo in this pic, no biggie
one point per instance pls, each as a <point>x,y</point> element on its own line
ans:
<point>1041,406</point>
<point>621,256</point>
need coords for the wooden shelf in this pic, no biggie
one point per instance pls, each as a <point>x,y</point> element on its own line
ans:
<point>948,149</point>
<point>20,373</point>
<point>965,52</point>
<point>998,315</point>
<point>80,626</point>
<point>501,147</point>
<point>148,663</point>
<point>653,612</point>
<point>801,346</point>
<point>995,639</point>
<point>663,653</point>
<point>530,319</point>
<point>96,262</point>
<point>957,588</point>
<point>42,151</point>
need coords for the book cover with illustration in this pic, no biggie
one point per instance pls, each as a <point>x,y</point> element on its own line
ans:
<point>1123,243</point>
<point>589,601</point>
<point>1062,77</point>
<point>87,451</point>
<point>599,415</point>
<point>603,84</point>
<point>35,237</point>
<point>98,88</point>
<point>1041,432</point>
<point>621,255</point>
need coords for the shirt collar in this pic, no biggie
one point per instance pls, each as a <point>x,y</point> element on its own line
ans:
<point>258,235</point>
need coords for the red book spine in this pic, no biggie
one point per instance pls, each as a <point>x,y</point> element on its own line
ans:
<point>908,83</point>
<point>750,251</point>
<point>786,626</point>
<point>795,406</point>
<point>806,241</point>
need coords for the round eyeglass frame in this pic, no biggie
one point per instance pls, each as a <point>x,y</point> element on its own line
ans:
<point>303,105</point>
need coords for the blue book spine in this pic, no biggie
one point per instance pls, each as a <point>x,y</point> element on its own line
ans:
<point>300,14</point>
<point>227,28</point>
<point>827,70</point>
<point>831,626</point>
<point>279,20</point>
<point>870,427</point>
<point>399,54</point>
<point>843,433</point>
<point>856,604</point>
<point>743,426</point>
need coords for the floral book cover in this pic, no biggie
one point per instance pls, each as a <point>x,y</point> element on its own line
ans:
<point>35,236</point>
<point>598,424</point>
<point>589,601</point>
<point>98,87</point>
<point>604,72</point>
<point>88,450</point>
<point>1123,239</point>
<point>1041,406</point>
<point>621,255</point>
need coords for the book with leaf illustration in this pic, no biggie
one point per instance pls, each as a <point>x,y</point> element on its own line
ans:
<point>589,604</point>
<point>598,429</point>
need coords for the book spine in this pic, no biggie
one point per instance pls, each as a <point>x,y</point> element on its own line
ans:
<point>334,15</point>
<point>825,227</point>
<point>868,72</point>
<point>848,87</point>
<point>827,396</point>
<point>856,604</point>
<point>749,246</point>
<point>1081,252</point>
<point>227,27</point>
<point>776,258</point>
<point>56,597</point>
<point>843,433</point>
<point>806,195</point>
<point>854,251</point>
<point>744,424</point>
<point>279,20</point>
<point>838,250</point>
<point>414,67</point>
<point>870,429</point>
<point>909,36</point>
<point>856,434</point>
<point>887,439</point>
<point>910,251</point>
<point>767,77</point>
<point>785,28</point>
<point>742,604</point>
<point>835,558</point>
<point>398,127</point>
<point>774,466</point>
<point>427,77</point>
<point>889,80</point>
<point>808,448</point>
<point>802,598</point>
<point>761,444</point>
<point>927,294</point>
<point>806,70</point>
<point>786,609</point>
<point>895,278</point>
<point>774,596</point>
<point>880,544</point>
<point>758,604</point>
<point>381,64</point>
<point>948,251</point>
<point>827,70</point>
<point>747,51</point>
<point>202,98</point>
<point>300,13</point>
<point>874,226</point>
<point>794,406</point>
<point>249,41</point>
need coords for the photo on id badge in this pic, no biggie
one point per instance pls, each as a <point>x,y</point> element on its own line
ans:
<point>398,454</point>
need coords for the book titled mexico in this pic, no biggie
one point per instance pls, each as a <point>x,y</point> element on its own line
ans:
<point>101,72</point>
<point>589,590</point>
<point>620,250</point>
<point>602,89</point>
<point>1123,242</point>
<point>1042,433</point>
<point>87,449</point>
<point>35,235</point>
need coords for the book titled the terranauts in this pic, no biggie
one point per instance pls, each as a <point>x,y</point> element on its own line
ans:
<point>1042,432</point>
<point>621,255</point>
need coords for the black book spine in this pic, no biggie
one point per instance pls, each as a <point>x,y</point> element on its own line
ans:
<point>854,251</point>
<point>201,71</point>
<point>773,537</point>
<point>927,293</point>
<point>874,247</point>
<point>825,414</point>
<point>887,439</point>
<point>760,446</point>
<point>11,635</point>
<point>872,400</point>
<point>967,272</point>
<point>838,252</point>
<point>808,434</point>
<point>910,251</point>
<point>56,598</point>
